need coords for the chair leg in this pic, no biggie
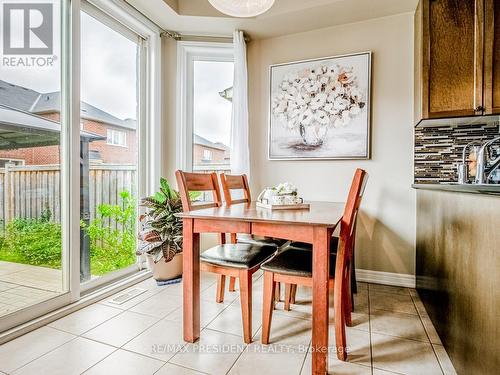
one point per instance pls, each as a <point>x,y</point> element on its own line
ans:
<point>246,304</point>
<point>347,300</point>
<point>232,280</point>
<point>277,292</point>
<point>232,284</point>
<point>221,285</point>
<point>268,305</point>
<point>288,296</point>
<point>293,294</point>
<point>340,338</point>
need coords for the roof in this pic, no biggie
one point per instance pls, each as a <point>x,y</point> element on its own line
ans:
<point>17,96</point>
<point>28,100</point>
<point>21,129</point>
<point>199,140</point>
<point>227,94</point>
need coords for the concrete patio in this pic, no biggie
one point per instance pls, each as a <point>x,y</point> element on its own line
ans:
<point>23,285</point>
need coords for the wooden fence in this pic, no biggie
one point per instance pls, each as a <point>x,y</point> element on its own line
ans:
<point>31,191</point>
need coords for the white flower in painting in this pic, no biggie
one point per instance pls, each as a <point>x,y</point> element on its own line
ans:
<point>318,101</point>
<point>321,117</point>
<point>324,95</point>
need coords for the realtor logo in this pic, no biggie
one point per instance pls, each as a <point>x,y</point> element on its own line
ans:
<point>27,29</point>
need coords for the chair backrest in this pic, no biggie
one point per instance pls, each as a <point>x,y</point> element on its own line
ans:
<point>349,219</point>
<point>188,182</point>
<point>235,182</point>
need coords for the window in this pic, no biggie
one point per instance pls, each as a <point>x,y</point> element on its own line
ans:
<point>207,155</point>
<point>206,76</point>
<point>117,138</point>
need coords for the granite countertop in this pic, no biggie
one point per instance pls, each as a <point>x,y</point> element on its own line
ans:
<point>491,189</point>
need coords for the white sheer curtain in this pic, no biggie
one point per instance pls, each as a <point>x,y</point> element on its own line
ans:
<point>240,153</point>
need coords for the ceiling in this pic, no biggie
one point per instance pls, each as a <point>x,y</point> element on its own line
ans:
<point>198,17</point>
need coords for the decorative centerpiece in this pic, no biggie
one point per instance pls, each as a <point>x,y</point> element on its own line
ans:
<point>282,197</point>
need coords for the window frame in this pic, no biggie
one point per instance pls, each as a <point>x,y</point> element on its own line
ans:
<point>187,53</point>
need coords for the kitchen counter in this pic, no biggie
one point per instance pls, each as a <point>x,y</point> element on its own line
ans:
<point>457,274</point>
<point>492,189</point>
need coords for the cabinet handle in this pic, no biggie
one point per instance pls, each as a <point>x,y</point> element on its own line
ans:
<point>479,109</point>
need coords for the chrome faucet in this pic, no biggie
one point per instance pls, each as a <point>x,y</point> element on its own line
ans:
<point>482,160</point>
<point>463,168</point>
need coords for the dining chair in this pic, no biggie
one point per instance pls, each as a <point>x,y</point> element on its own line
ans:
<point>291,289</point>
<point>293,265</point>
<point>239,260</point>
<point>230,184</point>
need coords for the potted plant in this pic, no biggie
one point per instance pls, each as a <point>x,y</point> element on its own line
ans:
<point>160,237</point>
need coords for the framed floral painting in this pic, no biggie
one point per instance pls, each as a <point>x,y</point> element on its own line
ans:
<point>320,109</point>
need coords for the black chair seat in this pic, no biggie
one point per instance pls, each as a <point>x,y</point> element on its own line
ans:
<point>240,255</point>
<point>334,243</point>
<point>294,261</point>
<point>263,241</point>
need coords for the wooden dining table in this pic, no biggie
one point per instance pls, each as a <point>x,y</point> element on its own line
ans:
<point>314,225</point>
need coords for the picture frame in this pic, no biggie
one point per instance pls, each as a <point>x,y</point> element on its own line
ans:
<point>319,109</point>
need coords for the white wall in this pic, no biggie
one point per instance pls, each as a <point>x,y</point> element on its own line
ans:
<point>386,229</point>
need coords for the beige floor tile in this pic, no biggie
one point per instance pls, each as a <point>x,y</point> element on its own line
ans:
<point>403,356</point>
<point>71,358</point>
<point>338,368</point>
<point>122,328</point>
<point>358,346</point>
<point>20,351</point>
<point>170,369</point>
<point>159,305</point>
<point>444,360</point>
<point>402,325</point>
<point>229,321</point>
<point>419,305</point>
<point>379,288</point>
<point>392,302</point>
<point>258,359</point>
<point>160,341</point>
<point>210,293</point>
<point>208,312</point>
<point>383,372</point>
<point>85,319</point>
<point>214,353</point>
<point>431,331</point>
<point>122,362</point>
<point>288,331</point>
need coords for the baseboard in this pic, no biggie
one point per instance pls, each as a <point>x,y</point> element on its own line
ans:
<point>385,278</point>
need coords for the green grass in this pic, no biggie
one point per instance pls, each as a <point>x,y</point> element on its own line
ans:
<point>38,242</point>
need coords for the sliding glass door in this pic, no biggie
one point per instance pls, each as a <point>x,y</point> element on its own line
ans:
<point>34,164</point>
<point>79,113</point>
<point>111,56</point>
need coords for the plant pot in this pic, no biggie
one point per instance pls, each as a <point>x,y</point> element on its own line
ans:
<point>313,134</point>
<point>166,271</point>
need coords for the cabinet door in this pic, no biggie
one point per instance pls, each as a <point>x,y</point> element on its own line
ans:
<point>492,57</point>
<point>452,61</point>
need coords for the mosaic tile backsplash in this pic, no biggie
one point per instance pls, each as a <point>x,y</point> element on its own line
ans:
<point>438,150</point>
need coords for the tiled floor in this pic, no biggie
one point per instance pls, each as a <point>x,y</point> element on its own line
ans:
<point>23,285</point>
<point>391,335</point>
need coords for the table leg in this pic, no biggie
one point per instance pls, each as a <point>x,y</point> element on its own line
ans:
<point>321,260</point>
<point>191,282</point>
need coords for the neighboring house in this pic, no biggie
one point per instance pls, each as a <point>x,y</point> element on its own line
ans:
<point>120,146</point>
<point>206,152</point>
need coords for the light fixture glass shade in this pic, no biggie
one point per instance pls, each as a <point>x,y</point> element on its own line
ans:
<point>242,8</point>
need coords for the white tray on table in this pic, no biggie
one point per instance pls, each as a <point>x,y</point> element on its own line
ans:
<point>269,206</point>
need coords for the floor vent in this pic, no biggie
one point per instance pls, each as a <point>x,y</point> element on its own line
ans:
<point>126,296</point>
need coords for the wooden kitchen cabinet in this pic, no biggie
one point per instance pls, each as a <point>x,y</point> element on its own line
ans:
<point>492,57</point>
<point>457,58</point>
